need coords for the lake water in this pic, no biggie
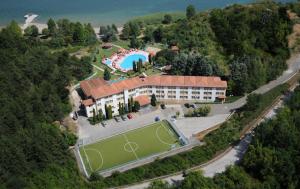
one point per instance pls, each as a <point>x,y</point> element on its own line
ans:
<point>99,12</point>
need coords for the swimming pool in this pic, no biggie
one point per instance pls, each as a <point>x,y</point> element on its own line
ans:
<point>128,61</point>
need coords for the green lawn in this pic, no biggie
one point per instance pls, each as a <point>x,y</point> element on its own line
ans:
<point>130,146</point>
<point>122,43</point>
<point>106,53</point>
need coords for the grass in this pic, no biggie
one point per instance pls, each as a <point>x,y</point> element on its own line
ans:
<point>122,43</point>
<point>106,53</point>
<point>231,99</point>
<point>127,147</point>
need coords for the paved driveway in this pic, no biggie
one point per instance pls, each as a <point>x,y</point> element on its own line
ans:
<point>193,125</point>
<point>91,133</point>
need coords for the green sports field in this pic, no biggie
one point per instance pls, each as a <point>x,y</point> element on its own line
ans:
<point>130,146</point>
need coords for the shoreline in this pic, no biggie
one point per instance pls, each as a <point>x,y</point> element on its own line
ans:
<point>42,26</point>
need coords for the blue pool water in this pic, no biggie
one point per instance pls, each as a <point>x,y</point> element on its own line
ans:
<point>128,61</point>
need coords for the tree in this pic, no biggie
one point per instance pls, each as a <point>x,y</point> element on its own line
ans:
<point>167,19</point>
<point>253,101</point>
<point>31,31</point>
<point>94,115</point>
<point>150,58</point>
<point>45,32</point>
<point>158,184</point>
<point>148,34</point>
<point>190,12</point>
<point>134,43</point>
<point>139,66</point>
<point>51,26</point>
<point>153,100</point>
<point>121,109</point>
<point>129,106</point>
<point>158,34</point>
<point>78,34</point>
<point>134,66</point>
<point>106,75</point>
<point>114,28</point>
<point>106,111</point>
<point>14,29</point>
<point>110,112</point>
<point>100,115</point>
<point>102,30</point>
<point>195,180</point>
<point>96,177</point>
<point>89,34</point>
<point>136,106</point>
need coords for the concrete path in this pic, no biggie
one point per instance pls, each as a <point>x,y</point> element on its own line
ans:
<point>97,67</point>
<point>232,157</point>
<point>193,125</point>
<point>236,153</point>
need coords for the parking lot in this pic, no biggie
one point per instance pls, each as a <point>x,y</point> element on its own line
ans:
<point>118,125</point>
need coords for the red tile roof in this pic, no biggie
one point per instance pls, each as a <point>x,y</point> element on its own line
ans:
<point>91,84</point>
<point>87,102</point>
<point>100,91</point>
<point>143,100</point>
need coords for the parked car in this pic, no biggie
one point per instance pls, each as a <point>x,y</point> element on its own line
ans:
<point>129,116</point>
<point>157,118</point>
<point>187,105</point>
<point>173,119</point>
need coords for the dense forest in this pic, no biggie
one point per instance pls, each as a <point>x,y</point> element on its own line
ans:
<point>34,152</point>
<point>272,160</point>
<point>246,45</point>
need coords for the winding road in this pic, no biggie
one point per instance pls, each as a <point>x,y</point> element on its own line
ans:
<point>234,155</point>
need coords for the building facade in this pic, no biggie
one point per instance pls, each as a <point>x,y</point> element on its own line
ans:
<point>99,94</point>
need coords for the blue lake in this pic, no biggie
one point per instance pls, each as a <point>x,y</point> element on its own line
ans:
<point>99,12</point>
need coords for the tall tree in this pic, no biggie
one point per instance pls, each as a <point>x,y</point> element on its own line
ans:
<point>167,19</point>
<point>190,11</point>
<point>153,100</point>
<point>106,75</point>
<point>51,26</point>
<point>31,31</point>
<point>78,34</point>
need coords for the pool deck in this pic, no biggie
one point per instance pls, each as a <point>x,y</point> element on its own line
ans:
<point>117,59</point>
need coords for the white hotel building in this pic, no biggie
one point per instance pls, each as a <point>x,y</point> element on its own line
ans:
<point>99,93</point>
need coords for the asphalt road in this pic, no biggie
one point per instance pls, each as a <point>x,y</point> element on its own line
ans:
<point>236,153</point>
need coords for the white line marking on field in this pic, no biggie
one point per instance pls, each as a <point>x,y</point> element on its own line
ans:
<point>130,146</point>
<point>102,160</point>
<point>158,137</point>
<point>87,159</point>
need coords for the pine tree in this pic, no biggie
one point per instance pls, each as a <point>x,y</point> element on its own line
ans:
<point>136,106</point>
<point>190,11</point>
<point>153,100</point>
<point>94,116</point>
<point>106,111</point>
<point>134,66</point>
<point>120,109</point>
<point>51,26</point>
<point>100,115</point>
<point>150,58</point>
<point>106,75</point>
<point>110,112</point>
<point>129,105</point>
